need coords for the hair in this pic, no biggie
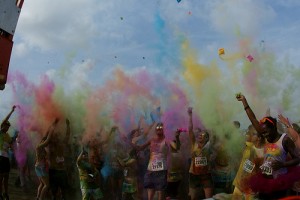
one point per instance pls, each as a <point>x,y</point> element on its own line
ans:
<point>207,135</point>
<point>237,124</point>
<point>159,124</point>
<point>132,133</point>
<point>269,124</point>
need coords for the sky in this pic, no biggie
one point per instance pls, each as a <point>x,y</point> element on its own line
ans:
<point>110,62</point>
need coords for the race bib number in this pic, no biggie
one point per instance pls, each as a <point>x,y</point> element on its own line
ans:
<point>200,161</point>
<point>248,166</point>
<point>266,168</point>
<point>157,165</point>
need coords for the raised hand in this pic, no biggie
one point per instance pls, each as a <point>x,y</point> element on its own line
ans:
<point>283,120</point>
<point>190,110</point>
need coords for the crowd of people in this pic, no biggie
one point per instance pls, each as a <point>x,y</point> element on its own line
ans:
<point>145,165</point>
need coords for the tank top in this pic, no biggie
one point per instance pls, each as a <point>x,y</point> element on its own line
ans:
<point>200,163</point>
<point>158,155</point>
<point>274,151</point>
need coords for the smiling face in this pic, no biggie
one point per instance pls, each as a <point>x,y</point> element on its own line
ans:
<point>269,128</point>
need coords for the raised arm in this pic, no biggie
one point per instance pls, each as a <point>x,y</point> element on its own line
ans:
<point>191,126</point>
<point>68,131</point>
<point>142,147</point>
<point>9,114</point>
<point>175,145</point>
<point>49,134</point>
<point>293,134</point>
<point>250,113</point>
<point>289,146</point>
<point>81,155</point>
<point>147,131</point>
<point>110,135</point>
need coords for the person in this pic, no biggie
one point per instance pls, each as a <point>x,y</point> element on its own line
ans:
<point>200,169</point>
<point>274,178</point>
<point>251,160</point>
<point>138,136</point>
<point>5,141</point>
<point>89,177</point>
<point>155,180</point>
<point>115,149</point>
<point>57,168</point>
<point>130,168</point>
<point>294,135</point>
<point>41,163</point>
<point>175,169</point>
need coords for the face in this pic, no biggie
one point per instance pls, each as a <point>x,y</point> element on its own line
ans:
<point>268,132</point>
<point>85,156</point>
<point>202,137</point>
<point>136,134</point>
<point>159,129</point>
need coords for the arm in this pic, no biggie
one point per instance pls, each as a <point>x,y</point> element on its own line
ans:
<point>9,114</point>
<point>175,144</point>
<point>49,134</point>
<point>46,142</point>
<point>177,141</point>
<point>80,156</point>
<point>250,113</point>
<point>191,127</point>
<point>291,131</point>
<point>68,131</point>
<point>142,147</point>
<point>289,146</point>
<point>146,132</point>
<point>110,134</point>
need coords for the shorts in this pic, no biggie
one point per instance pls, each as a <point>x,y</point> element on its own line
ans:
<point>155,180</point>
<point>41,171</point>
<point>200,181</point>
<point>4,165</point>
<point>88,194</point>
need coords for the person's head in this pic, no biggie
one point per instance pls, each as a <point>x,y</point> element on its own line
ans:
<point>85,155</point>
<point>134,133</point>
<point>236,124</point>
<point>5,126</point>
<point>202,137</point>
<point>269,127</point>
<point>197,131</point>
<point>159,129</point>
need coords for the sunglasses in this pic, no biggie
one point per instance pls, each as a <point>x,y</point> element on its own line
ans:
<point>265,119</point>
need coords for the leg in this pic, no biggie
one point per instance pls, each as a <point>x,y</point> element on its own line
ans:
<point>40,187</point>
<point>1,183</point>
<point>208,192</point>
<point>161,195</point>
<point>151,193</point>
<point>45,186</point>
<point>5,182</point>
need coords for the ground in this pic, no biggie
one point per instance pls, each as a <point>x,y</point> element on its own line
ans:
<point>18,193</point>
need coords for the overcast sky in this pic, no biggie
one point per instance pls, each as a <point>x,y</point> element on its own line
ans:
<point>90,38</point>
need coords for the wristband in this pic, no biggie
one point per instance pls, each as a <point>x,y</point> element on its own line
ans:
<point>247,107</point>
